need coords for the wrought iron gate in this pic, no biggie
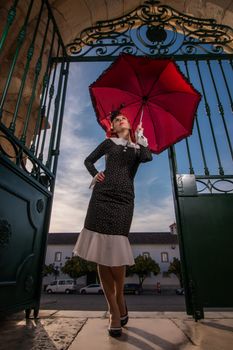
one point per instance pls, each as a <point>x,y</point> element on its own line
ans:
<point>203,190</point>
<point>32,99</point>
<point>203,50</point>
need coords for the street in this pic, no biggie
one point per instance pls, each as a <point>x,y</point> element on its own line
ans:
<point>95,302</point>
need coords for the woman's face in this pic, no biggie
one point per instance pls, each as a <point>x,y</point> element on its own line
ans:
<point>120,122</point>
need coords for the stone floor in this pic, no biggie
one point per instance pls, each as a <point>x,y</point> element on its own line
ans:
<point>79,330</point>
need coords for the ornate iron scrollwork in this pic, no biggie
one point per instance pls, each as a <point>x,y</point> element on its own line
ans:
<point>153,29</point>
<point>24,159</point>
<point>215,185</point>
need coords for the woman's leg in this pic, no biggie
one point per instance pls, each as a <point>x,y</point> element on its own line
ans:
<point>108,285</point>
<point>118,273</point>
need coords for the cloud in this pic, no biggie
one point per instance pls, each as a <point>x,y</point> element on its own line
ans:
<point>81,134</point>
<point>148,217</point>
<point>71,191</point>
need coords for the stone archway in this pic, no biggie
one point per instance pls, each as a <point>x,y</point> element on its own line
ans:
<point>71,20</point>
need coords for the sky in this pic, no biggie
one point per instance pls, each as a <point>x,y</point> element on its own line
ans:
<point>154,208</point>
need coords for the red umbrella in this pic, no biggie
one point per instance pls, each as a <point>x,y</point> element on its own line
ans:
<point>154,88</point>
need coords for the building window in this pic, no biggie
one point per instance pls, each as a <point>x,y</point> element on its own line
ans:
<point>164,257</point>
<point>57,256</point>
<point>146,254</point>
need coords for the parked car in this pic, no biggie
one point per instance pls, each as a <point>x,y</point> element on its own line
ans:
<point>62,286</point>
<point>180,291</point>
<point>91,289</point>
<point>133,288</point>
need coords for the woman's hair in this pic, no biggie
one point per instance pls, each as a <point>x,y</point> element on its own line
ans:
<point>111,133</point>
<point>114,114</point>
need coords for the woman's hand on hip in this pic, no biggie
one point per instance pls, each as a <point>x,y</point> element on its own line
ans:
<point>100,176</point>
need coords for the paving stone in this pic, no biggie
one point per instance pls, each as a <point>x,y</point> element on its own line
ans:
<point>208,334</point>
<point>39,334</point>
<point>145,334</point>
<point>158,314</point>
<point>87,330</point>
<point>85,313</point>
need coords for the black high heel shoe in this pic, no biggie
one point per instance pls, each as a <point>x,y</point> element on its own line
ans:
<point>124,319</point>
<point>114,331</point>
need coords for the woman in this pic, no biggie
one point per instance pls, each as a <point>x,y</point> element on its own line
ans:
<point>104,237</point>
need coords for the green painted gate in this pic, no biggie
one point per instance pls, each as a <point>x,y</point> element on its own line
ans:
<point>201,173</point>
<point>201,166</point>
<point>32,101</point>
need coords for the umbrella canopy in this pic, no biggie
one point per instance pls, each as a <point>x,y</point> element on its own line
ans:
<point>154,88</point>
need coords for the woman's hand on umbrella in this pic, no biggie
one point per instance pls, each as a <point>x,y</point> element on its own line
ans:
<point>100,176</point>
<point>139,128</point>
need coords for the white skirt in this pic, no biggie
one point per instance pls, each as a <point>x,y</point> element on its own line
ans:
<point>104,249</point>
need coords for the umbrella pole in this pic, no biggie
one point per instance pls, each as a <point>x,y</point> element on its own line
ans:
<point>141,116</point>
<point>140,123</point>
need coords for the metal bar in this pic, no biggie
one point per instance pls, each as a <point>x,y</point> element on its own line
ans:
<point>206,170</point>
<point>57,150</point>
<point>37,73</point>
<point>214,177</point>
<point>10,19</point>
<point>184,268</point>
<point>220,108</point>
<point>191,169</point>
<point>207,109</point>
<point>231,63</point>
<point>51,94</point>
<point>29,57</point>
<point>49,69</point>
<point>225,80</point>
<point>202,57</point>
<point>55,25</point>
<point>45,87</point>
<point>21,37</point>
<point>55,118</point>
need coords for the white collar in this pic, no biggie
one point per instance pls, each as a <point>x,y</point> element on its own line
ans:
<point>124,142</point>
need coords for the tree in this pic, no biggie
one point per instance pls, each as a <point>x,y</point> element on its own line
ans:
<point>49,270</point>
<point>175,268</point>
<point>76,267</point>
<point>143,266</point>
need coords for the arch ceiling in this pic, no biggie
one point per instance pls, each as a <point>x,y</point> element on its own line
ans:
<point>73,16</point>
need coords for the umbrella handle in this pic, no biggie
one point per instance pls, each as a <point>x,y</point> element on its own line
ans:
<point>139,134</point>
<point>141,116</point>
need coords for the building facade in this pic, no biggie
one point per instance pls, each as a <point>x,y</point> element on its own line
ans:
<point>160,246</point>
